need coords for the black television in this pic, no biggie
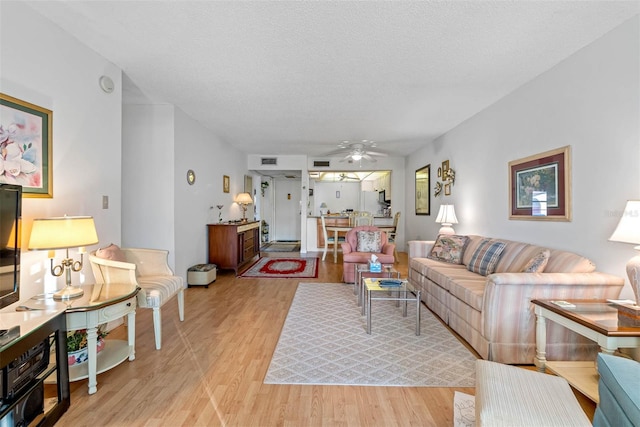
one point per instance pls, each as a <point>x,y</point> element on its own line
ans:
<point>10,227</point>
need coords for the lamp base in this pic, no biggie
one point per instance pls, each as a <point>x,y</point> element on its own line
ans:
<point>68,292</point>
<point>633,271</point>
<point>446,229</point>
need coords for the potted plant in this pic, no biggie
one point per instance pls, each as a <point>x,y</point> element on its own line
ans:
<point>77,351</point>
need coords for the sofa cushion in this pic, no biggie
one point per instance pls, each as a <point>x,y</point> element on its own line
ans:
<point>538,262</point>
<point>485,257</point>
<point>472,245</point>
<point>449,248</point>
<point>568,262</point>
<point>111,252</point>
<point>369,241</point>
<point>469,288</point>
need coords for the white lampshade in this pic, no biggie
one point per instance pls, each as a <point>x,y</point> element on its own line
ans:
<point>244,199</point>
<point>628,229</point>
<point>63,232</point>
<point>446,217</point>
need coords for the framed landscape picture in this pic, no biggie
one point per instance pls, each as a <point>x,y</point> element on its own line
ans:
<point>423,195</point>
<point>540,186</point>
<point>25,146</point>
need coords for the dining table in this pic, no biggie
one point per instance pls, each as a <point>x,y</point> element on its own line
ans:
<point>343,228</point>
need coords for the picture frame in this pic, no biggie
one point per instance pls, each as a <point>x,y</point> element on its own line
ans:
<point>225,183</point>
<point>423,191</point>
<point>445,168</point>
<point>248,184</point>
<point>26,143</point>
<point>447,189</point>
<point>540,186</point>
<point>311,192</point>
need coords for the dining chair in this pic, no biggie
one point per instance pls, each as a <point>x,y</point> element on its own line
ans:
<point>327,239</point>
<point>391,235</point>
<point>363,218</point>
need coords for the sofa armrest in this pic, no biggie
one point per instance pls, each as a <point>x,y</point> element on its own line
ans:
<point>149,262</point>
<point>420,248</point>
<point>507,299</point>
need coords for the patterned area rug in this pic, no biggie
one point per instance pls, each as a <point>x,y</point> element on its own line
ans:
<point>283,268</point>
<point>324,341</point>
<point>281,247</point>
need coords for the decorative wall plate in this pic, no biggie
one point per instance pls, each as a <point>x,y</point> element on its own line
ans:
<point>191,176</point>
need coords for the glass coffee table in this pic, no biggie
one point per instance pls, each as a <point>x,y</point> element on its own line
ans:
<point>362,271</point>
<point>404,293</point>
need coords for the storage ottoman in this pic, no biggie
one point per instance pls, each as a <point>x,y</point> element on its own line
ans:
<point>201,275</point>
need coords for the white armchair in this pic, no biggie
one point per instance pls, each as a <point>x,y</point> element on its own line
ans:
<point>147,269</point>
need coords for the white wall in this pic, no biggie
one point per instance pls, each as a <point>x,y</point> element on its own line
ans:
<point>147,177</point>
<point>589,101</point>
<point>210,158</point>
<point>326,192</point>
<point>160,209</point>
<point>43,65</point>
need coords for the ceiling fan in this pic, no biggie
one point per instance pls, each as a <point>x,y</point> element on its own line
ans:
<point>344,176</point>
<point>357,151</point>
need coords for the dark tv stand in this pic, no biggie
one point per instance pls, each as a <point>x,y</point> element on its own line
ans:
<point>34,329</point>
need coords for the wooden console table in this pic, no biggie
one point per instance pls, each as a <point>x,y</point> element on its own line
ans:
<point>232,245</point>
<point>593,319</point>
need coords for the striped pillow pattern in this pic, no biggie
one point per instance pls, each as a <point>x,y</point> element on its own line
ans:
<point>486,257</point>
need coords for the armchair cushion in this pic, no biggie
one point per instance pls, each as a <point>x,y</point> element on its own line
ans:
<point>369,241</point>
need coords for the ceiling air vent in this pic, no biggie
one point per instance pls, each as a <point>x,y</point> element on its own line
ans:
<point>269,161</point>
<point>321,163</point>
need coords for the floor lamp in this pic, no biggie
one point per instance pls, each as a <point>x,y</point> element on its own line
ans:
<point>628,231</point>
<point>64,233</point>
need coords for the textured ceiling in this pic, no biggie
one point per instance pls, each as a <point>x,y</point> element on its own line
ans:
<point>298,77</point>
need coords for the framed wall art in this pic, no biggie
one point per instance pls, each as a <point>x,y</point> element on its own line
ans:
<point>540,186</point>
<point>423,195</point>
<point>26,146</point>
<point>225,183</point>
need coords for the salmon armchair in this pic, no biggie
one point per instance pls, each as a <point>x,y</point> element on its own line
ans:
<point>146,268</point>
<point>352,254</point>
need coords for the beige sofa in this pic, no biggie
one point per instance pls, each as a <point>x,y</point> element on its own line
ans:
<point>494,313</point>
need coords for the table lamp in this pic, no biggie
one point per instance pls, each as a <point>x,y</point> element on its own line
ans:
<point>446,217</point>
<point>244,199</point>
<point>628,231</point>
<point>64,233</point>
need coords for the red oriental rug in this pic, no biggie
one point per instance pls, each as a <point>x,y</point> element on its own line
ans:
<point>283,268</point>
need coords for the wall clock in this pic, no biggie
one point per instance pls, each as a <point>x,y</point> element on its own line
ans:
<point>191,177</point>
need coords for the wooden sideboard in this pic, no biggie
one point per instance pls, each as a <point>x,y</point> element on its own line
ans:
<point>231,246</point>
<point>339,221</point>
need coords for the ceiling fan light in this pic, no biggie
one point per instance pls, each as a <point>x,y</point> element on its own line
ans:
<point>356,156</point>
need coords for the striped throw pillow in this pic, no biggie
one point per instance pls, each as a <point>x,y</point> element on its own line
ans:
<point>486,257</point>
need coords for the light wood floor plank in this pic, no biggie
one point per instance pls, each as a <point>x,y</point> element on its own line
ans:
<point>210,369</point>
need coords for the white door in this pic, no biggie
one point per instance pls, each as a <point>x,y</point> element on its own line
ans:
<point>287,210</point>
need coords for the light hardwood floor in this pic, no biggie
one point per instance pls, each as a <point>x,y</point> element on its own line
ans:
<point>210,369</point>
